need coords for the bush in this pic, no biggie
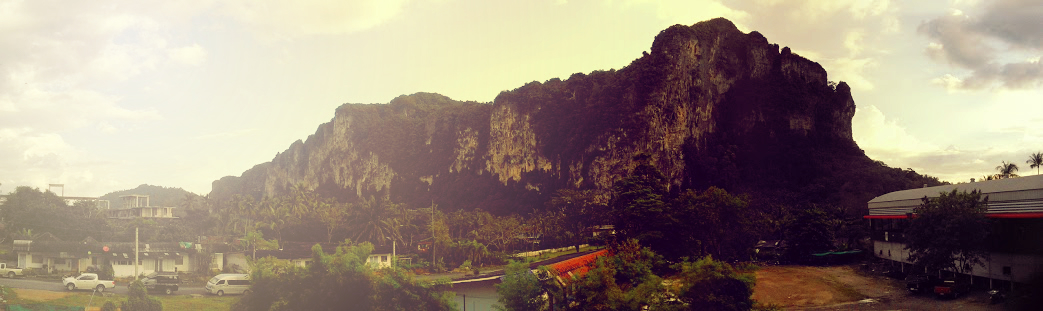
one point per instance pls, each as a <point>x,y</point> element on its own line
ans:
<point>108,306</point>
<point>336,280</point>
<point>138,299</point>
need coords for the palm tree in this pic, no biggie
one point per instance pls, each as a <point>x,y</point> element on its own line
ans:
<point>1007,170</point>
<point>1035,161</point>
<point>375,222</point>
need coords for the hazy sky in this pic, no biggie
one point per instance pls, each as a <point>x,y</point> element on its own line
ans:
<point>106,95</point>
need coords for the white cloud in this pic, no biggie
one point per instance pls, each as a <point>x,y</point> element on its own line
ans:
<point>852,70</point>
<point>950,82</point>
<point>275,19</point>
<point>62,64</point>
<point>875,134</point>
<point>983,43</point>
<point>190,55</point>
<point>228,135</point>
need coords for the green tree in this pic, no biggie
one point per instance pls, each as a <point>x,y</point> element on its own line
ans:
<point>520,290</point>
<point>332,216</point>
<point>376,222</point>
<point>623,281</point>
<point>578,211</point>
<point>138,299</point>
<point>1035,161</point>
<point>503,232</point>
<point>712,222</point>
<point>277,214</point>
<point>638,206</point>
<point>810,231</point>
<point>338,281</point>
<point>1007,170</point>
<point>949,232</point>
<point>627,280</point>
<point>713,285</point>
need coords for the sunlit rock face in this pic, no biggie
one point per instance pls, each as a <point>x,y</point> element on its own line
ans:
<point>704,100</point>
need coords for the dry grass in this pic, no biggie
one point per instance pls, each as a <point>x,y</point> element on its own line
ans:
<point>177,302</point>
<point>800,287</point>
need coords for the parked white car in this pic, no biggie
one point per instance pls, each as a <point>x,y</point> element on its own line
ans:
<point>88,281</point>
<point>10,272</point>
<point>228,284</point>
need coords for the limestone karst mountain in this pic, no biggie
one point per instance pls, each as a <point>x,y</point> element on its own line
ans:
<point>709,105</point>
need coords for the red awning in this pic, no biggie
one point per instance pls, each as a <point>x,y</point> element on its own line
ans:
<point>1003,215</point>
<point>885,217</point>
<point>1015,215</point>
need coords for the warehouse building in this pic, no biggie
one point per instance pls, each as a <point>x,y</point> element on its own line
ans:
<point>1016,241</point>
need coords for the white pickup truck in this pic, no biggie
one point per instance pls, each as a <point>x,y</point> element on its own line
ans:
<point>88,281</point>
<point>10,272</point>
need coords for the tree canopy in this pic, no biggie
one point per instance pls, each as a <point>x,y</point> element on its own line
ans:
<point>633,277</point>
<point>949,232</point>
<point>334,281</point>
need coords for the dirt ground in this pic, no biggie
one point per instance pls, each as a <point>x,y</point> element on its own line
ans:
<point>38,295</point>
<point>801,287</point>
<point>844,288</point>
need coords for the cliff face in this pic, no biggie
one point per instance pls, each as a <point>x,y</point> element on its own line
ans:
<point>706,100</point>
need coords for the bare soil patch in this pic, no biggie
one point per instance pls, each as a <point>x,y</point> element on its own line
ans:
<point>38,295</point>
<point>807,287</point>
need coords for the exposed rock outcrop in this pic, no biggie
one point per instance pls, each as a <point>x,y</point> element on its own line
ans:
<point>706,99</point>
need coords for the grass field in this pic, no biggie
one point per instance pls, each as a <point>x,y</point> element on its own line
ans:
<point>18,296</point>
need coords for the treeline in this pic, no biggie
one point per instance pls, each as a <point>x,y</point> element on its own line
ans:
<point>29,213</point>
<point>672,222</point>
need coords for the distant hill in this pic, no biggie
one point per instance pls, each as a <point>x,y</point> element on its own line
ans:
<point>158,196</point>
<point>710,106</point>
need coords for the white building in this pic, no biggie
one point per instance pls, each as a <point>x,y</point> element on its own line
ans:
<point>1016,242</point>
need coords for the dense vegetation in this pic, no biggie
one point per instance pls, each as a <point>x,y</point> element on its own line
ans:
<point>337,281</point>
<point>631,278</point>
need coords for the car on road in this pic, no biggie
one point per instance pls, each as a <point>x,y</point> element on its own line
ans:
<point>88,281</point>
<point>228,284</point>
<point>165,282</point>
<point>10,272</point>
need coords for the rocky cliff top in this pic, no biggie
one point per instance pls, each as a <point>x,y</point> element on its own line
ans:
<point>709,105</point>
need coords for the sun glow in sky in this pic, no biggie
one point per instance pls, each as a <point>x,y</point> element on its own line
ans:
<point>106,95</point>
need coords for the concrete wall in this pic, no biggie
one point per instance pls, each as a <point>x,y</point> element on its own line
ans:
<point>998,266</point>
<point>237,259</point>
<point>149,265</point>
<point>379,261</point>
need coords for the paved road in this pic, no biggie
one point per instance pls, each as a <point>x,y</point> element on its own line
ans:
<point>57,286</point>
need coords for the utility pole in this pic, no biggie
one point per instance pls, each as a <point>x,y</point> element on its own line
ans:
<point>136,253</point>
<point>434,259</point>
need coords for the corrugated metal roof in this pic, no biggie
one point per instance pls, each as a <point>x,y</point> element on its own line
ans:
<point>992,186</point>
<point>1006,196</point>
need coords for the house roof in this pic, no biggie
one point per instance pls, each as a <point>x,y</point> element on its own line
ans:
<point>82,248</point>
<point>302,250</point>
<point>295,250</point>
<point>1007,197</point>
<point>578,266</point>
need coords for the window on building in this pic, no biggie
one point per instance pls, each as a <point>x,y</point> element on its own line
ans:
<point>37,259</point>
<point>59,261</point>
<point>1006,271</point>
<point>383,258</point>
<point>94,261</point>
<point>179,260</point>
